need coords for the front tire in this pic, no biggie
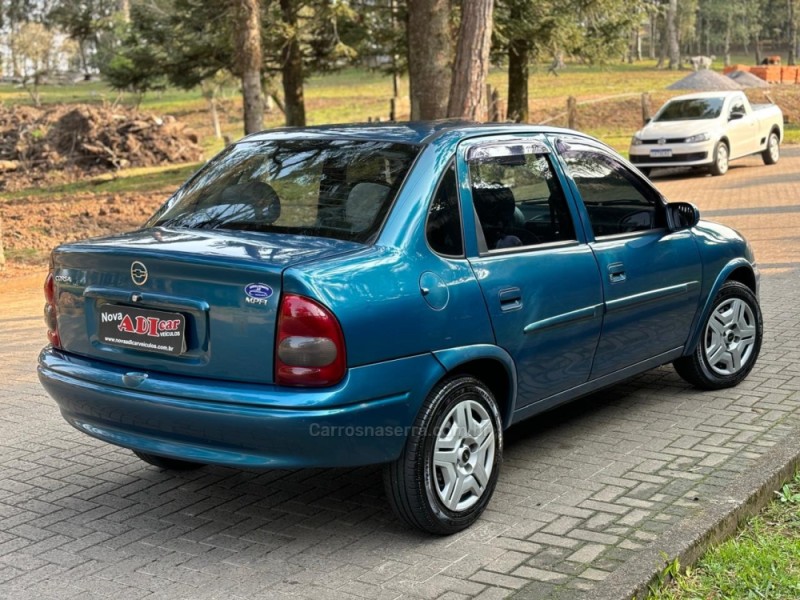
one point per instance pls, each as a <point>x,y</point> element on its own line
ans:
<point>772,153</point>
<point>168,464</point>
<point>721,158</point>
<point>449,467</point>
<point>729,342</point>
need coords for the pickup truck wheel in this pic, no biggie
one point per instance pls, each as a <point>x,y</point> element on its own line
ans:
<point>721,155</point>
<point>168,464</point>
<point>448,470</point>
<point>729,342</point>
<point>772,152</point>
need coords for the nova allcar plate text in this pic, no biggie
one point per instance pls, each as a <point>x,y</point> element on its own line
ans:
<point>142,329</point>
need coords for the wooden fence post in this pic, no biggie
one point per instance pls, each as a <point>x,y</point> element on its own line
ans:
<point>2,252</point>
<point>497,115</point>
<point>645,107</point>
<point>572,112</point>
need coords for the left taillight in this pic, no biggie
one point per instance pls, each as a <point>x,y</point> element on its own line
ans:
<point>51,310</point>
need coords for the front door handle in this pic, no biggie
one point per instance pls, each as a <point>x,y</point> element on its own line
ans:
<point>616,272</point>
<point>510,299</point>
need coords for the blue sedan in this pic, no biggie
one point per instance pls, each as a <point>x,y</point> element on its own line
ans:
<point>397,294</point>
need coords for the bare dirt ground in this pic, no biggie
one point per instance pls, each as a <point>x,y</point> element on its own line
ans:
<point>33,226</point>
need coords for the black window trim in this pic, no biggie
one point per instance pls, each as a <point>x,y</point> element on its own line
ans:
<point>450,164</point>
<point>643,188</point>
<point>547,154</point>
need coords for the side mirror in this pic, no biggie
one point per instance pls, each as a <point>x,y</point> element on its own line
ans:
<point>647,120</point>
<point>736,115</point>
<point>683,215</point>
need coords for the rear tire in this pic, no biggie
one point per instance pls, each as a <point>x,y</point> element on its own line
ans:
<point>772,153</point>
<point>721,157</point>
<point>729,341</point>
<point>448,470</point>
<point>168,464</point>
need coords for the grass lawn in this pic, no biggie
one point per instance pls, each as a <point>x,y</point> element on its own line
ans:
<point>356,95</point>
<point>761,561</point>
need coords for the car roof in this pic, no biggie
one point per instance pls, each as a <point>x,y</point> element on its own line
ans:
<point>696,95</point>
<point>412,132</point>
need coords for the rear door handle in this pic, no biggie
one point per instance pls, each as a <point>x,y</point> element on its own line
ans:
<point>616,272</point>
<point>510,299</point>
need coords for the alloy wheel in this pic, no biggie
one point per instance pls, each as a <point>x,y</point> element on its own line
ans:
<point>722,158</point>
<point>774,148</point>
<point>463,455</point>
<point>730,337</point>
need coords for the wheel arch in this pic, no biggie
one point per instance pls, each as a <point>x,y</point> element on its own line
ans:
<point>777,130</point>
<point>492,365</point>
<point>737,270</point>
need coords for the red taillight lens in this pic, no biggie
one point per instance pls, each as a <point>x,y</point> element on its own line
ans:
<point>309,347</point>
<point>50,310</point>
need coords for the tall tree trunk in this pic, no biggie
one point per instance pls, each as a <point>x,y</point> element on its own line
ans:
<point>429,55</point>
<point>248,46</point>
<point>727,41</point>
<point>792,33</point>
<point>294,106</point>
<point>653,34</point>
<point>758,47</point>
<point>124,10</point>
<point>672,35</point>
<point>518,80</point>
<point>468,88</point>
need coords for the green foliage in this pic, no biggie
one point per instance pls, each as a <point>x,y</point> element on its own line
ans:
<point>759,562</point>
<point>788,494</point>
<point>82,20</point>
<point>591,30</point>
<point>135,67</point>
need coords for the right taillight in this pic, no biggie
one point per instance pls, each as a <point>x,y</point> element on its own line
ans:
<point>50,310</point>
<point>309,346</point>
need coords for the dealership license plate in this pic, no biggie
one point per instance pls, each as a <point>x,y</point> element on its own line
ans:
<point>142,329</point>
<point>660,153</point>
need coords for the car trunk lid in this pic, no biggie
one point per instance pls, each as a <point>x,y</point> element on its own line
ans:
<point>188,302</point>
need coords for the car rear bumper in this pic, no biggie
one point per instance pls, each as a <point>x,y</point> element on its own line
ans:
<point>363,420</point>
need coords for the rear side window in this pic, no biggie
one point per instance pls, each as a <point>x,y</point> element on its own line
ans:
<point>615,200</point>
<point>340,189</point>
<point>517,199</point>
<point>444,218</point>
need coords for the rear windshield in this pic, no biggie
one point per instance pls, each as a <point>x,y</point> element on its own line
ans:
<point>688,110</point>
<point>339,189</point>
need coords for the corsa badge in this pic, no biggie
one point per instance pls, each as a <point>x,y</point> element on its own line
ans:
<point>138,272</point>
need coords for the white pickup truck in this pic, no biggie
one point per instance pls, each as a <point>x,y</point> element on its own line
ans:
<point>708,129</point>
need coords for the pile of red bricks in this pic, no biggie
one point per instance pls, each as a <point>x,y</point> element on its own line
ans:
<point>769,73</point>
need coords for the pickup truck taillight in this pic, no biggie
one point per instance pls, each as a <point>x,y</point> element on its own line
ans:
<point>309,345</point>
<point>50,310</point>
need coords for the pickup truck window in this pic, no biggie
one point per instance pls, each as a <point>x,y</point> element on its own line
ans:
<point>690,110</point>
<point>738,107</point>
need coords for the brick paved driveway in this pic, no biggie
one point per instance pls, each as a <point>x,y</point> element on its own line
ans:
<point>582,489</point>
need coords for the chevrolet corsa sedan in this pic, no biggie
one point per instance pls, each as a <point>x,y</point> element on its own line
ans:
<point>398,294</point>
